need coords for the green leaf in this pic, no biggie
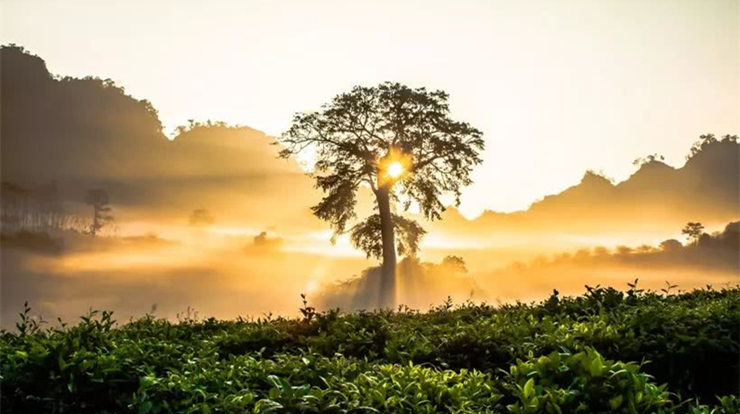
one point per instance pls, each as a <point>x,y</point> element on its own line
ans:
<point>596,367</point>
<point>615,402</point>
<point>145,407</point>
<point>529,389</point>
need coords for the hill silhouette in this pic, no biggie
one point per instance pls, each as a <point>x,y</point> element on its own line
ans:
<point>655,197</point>
<point>68,129</point>
<point>88,133</point>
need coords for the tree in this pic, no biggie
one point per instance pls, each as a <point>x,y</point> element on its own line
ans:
<point>693,231</point>
<point>100,202</point>
<point>671,245</point>
<point>624,250</point>
<point>399,142</point>
<point>201,217</point>
<point>704,141</point>
<point>639,162</point>
<point>707,140</point>
<point>455,263</point>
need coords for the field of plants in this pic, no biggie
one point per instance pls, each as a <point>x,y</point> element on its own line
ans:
<point>605,351</point>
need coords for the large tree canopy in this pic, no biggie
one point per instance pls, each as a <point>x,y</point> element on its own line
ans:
<point>379,137</point>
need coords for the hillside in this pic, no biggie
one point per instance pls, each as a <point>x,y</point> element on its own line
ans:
<point>657,196</point>
<point>88,133</point>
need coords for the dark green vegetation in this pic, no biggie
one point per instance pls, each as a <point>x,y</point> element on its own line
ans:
<point>560,356</point>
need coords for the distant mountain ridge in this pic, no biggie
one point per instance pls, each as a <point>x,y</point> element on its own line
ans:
<point>706,188</point>
<point>88,133</point>
<point>67,128</point>
<point>84,133</point>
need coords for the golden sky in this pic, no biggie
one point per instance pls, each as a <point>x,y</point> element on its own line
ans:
<point>556,86</point>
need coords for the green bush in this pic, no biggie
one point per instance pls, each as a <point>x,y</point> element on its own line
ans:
<point>314,384</point>
<point>583,382</point>
<point>561,355</point>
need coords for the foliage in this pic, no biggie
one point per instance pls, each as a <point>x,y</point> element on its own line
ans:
<point>100,201</point>
<point>639,162</point>
<point>36,210</point>
<point>455,263</point>
<point>583,382</point>
<point>201,217</point>
<point>693,231</point>
<point>563,355</point>
<point>364,235</point>
<point>359,133</point>
<point>706,140</point>
<point>193,125</point>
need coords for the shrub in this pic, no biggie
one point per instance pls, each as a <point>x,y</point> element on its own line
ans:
<point>562,355</point>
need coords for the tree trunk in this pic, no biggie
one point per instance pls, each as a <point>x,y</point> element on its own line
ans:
<point>388,269</point>
<point>94,227</point>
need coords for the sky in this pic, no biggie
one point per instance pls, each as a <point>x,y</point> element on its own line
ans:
<point>557,87</point>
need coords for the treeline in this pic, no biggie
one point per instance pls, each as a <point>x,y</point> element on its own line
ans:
<point>37,209</point>
<point>720,249</point>
<point>33,215</point>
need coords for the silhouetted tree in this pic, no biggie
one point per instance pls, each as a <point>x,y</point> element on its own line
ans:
<point>708,139</point>
<point>624,250</point>
<point>201,217</point>
<point>14,211</point>
<point>100,202</point>
<point>645,248</point>
<point>35,209</point>
<point>402,144</point>
<point>693,231</point>
<point>601,251</point>
<point>671,245</point>
<point>262,244</point>
<point>731,138</point>
<point>704,141</point>
<point>648,159</point>
<point>456,263</point>
<point>193,125</point>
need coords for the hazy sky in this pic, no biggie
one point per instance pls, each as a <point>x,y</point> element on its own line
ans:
<point>556,86</point>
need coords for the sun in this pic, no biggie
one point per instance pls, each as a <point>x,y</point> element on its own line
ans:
<point>395,169</point>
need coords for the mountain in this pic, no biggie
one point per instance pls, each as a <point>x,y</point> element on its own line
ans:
<point>66,128</point>
<point>88,133</point>
<point>657,196</point>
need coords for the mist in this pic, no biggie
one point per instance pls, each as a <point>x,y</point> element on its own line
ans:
<point>211,219</point>
<point>226,276</point>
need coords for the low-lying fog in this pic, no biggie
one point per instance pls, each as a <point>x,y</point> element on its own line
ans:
<point>227,271</point>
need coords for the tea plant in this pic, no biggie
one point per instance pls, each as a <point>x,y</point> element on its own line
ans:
<point>605,351</point>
